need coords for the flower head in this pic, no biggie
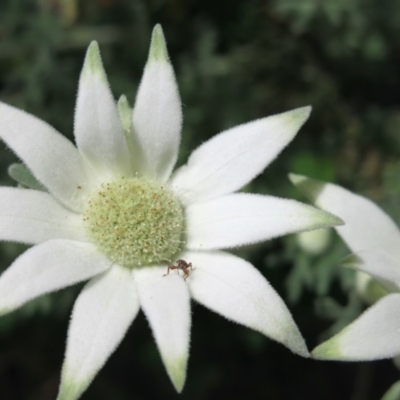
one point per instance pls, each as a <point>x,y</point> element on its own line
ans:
<point>375,242</point>
<point>114,213</point>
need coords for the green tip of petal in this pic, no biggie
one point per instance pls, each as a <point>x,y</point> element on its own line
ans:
<point>294,119</point>
<point>393,393</point>
<point>124,103</point>
<point>125,114</point>
<point>311,188</point>
<point>4,311</point>
<point>158,46</point>
<point>71,390</point>
<point>93,64</point>
<point>300,115</point>
<point>331,220</point>
<point>21,174</point>
<point>177,372</point>
<point>351,261</point>
<point>124,107</point>
<point>329,350</point>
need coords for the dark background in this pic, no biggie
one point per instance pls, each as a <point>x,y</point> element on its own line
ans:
<point>235,61</point>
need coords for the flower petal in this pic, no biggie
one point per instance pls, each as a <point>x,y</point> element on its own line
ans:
<point>98,130</point>
<point>157,115</point>
<point>21,174</point>
<point>166,303</point>
<point>51,157</point>
<point>380,265</point>
<point>242,218</point>
<point>48,267</point>
<point>374,335</point>
<point>101,316</point>
<point>31,217</point>
<point>366,225</point>
<point>125,114</point>
<point>393,393</point>
<point>234,289</point>
<point>230,160</point>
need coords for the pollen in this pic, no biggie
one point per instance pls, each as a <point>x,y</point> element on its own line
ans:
<point>135,222</point>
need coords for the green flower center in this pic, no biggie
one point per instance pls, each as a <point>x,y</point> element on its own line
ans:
<point>135,222</point>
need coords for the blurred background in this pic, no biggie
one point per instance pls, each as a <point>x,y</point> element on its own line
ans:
<point>235,61</point>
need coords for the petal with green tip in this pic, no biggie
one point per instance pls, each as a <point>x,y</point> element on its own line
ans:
<point>47,267</point>
<point>374,335</point>
<point>24,177</point>
<point>157,114</point>
<point>393,393</point>
<point>52,158</point>
<point>242,218</point>
<point>125,114</point>
<point>378,264</point>
<point>101,316</point>
<point>366,227</point>
<point>166,304</point>
<point>98,130</point>
<point>233,288</point>
<point>230,160</point>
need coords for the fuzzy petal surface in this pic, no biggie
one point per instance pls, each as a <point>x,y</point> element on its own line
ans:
<point>166,304</point>
<point>378,264</point>
<point>157,114</point>
<point>233,288</point>
<point>98,130</point>
<point>366,225</point>
<point>31,217</point>
<point>101,316</point>
<point>230,160</point>
<point>52,158</point>
<point>48,267</point>
<point>242,218</point>
<point>374,335</point>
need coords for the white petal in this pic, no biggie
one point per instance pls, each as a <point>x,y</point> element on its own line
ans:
<point>366,225</point>
<point>98,129</point>
<point>233,288</point>
<point>51,157</point>
<point>157,115</point>
<point>230,160</point>
<point>47,267</point>
<point>31,217</point>
<point>166,303</point>
<point>101,316</point>
<point>241,218</point>
<point>374,335</point>
<point>380,265</point>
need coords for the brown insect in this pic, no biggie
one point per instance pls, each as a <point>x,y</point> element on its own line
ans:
<point>181,265</point>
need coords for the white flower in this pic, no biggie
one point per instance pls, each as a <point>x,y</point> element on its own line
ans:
<point>375,242</point>
<point>114,214</point>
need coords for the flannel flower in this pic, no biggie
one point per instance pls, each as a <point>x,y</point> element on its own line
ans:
<point>375,242</point>
<point>114,214</point>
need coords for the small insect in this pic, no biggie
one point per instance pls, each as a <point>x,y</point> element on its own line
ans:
<point>181,265</point>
